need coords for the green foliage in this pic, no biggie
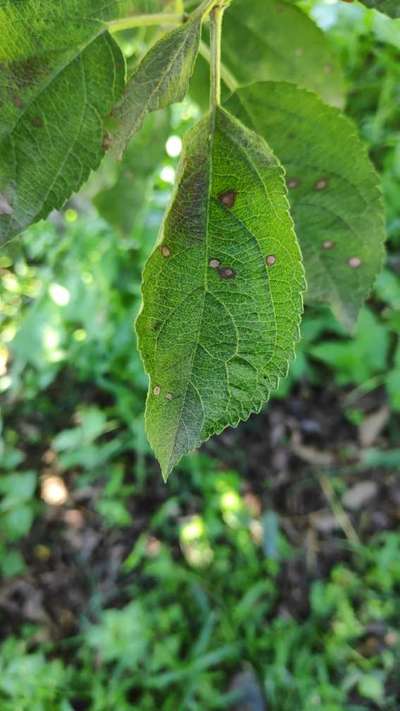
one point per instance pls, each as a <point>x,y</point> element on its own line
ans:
<point>60,81</point>
<point>216,347</point>
<point>390,7</point>
<point>68,94</point>
<point>161,79</point>
<point>278,41</point>
<point>322,175</point>
<point>210,585</point>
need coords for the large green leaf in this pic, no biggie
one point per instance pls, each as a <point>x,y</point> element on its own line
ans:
<point>389,7</point>
<point>161,79</point>
<point>333,190</point>
<point>222,291</point>
<point>270,39</point>
<point>61,73</point>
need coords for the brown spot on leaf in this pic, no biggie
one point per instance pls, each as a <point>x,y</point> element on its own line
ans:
<point>270,260</point>
<point>226,273</point>
<point>165,251</point>
<point>292,183</point>
<point>107,142</point>
<point>228,198</point>
<point>5,207</point>
<point>17,101</point>
<point>321,184</point>
<point>156,390</point>
<point>354,262</point>
<point>328,244</point>
<point>214,263</point>
<point>37,122</point>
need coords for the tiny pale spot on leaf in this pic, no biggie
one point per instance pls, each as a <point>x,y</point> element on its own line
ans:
<point>156,390</point>
<point>169,396</point>
<point>354,262</point>
<point>321,184</point>
<point>328,244</point>
<point>165,251</point>
<point>270,260</point>
<point>293,183</point>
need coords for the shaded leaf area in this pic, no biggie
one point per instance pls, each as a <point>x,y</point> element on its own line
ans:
<point>61,73</point>
<point>272,40</point>
<point>124,202</point>
<point>389,7</point>
<point>162,78</point>
<point>222,294</point>
<point>333,190</point>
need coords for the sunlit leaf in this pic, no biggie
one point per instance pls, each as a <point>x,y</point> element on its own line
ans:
<point>270,39</point>
<point>222,294</point>
<point>333,190</point>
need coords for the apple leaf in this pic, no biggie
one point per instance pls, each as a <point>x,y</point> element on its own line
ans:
<point>272,40</point>
<point>222,291</point>
<point>333,191</point>
<point>58,82</point>
<point>162,78</point>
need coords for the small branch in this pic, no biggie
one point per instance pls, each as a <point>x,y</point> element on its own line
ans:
<point>127,23</point>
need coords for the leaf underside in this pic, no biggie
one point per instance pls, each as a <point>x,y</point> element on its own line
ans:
<point>162,78</point>
<point>61,73</point>
<point>222,291</point>
<point>388,7</point>
<point>333,191</point>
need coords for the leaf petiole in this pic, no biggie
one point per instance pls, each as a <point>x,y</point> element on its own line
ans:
<point>226,75</point>
<point>216,17</point>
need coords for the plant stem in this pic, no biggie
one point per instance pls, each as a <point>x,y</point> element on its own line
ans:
<point>161,18</point>
<point>216,16</point>
<point>226,76</point>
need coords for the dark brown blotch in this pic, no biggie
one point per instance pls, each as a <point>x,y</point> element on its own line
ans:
<point>37,122</point>
<point>107,142</point>
<point>228,198</point>
<point>227,273</point>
